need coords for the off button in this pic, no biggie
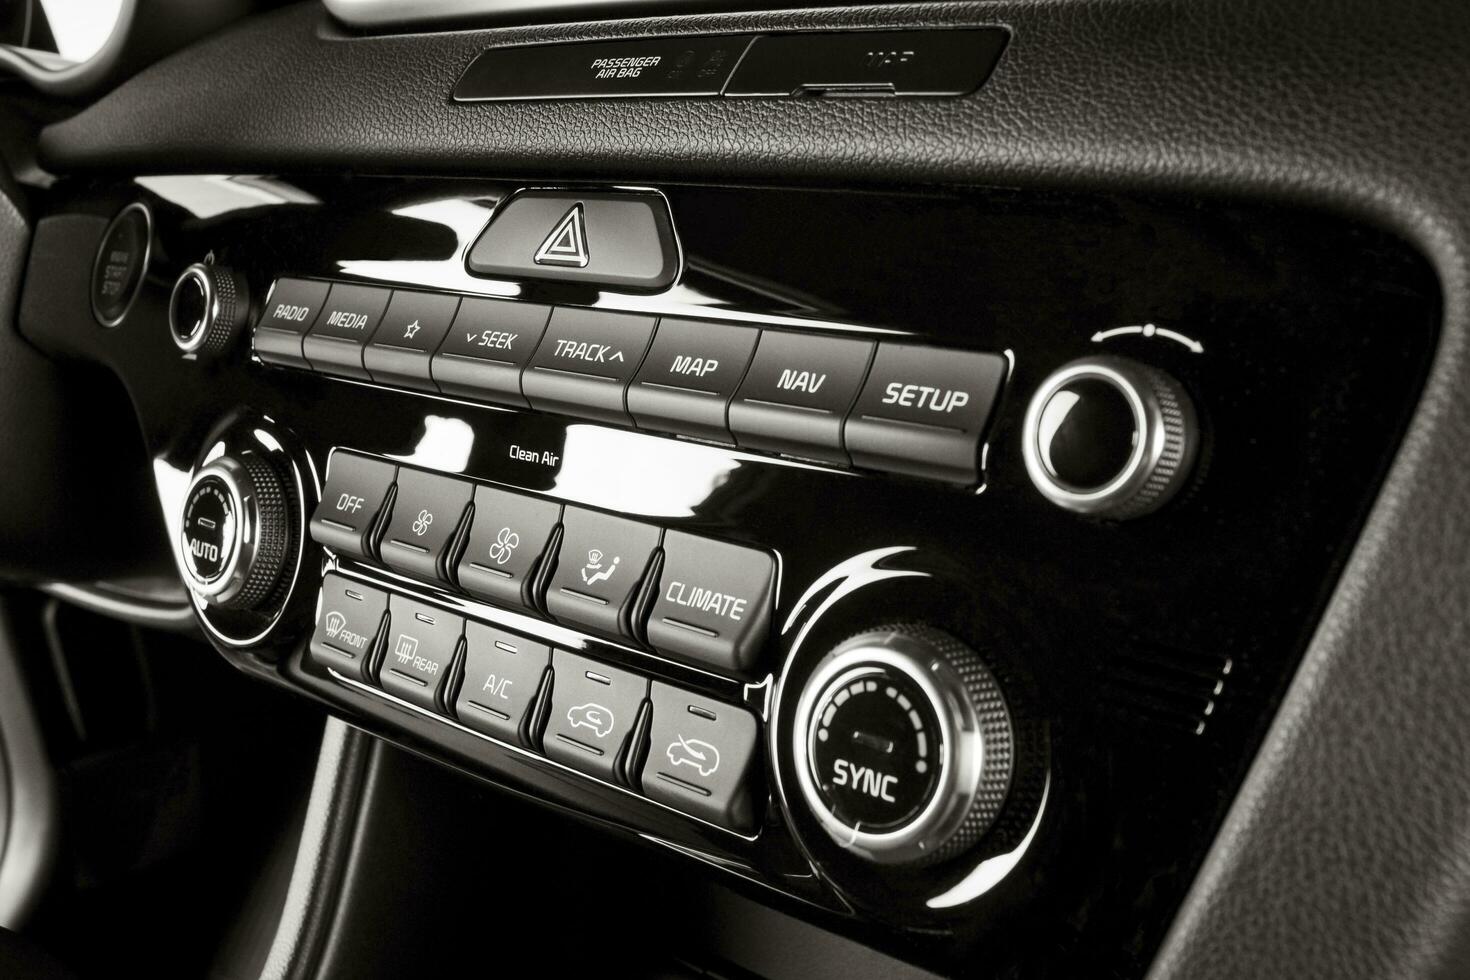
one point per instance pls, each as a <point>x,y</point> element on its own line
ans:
<point>714,602</point>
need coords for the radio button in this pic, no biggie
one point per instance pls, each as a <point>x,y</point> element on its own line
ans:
<point>348,318</point>
<point>600,565</point>
<point>585,362</point>
<point>487,348</point>
<point>923,411</point>
<point>349,619</point>
<point>699,757</point>
<point>405,341</point>
<point>593,710</point>
<point>502,674</point>
<point>689,377</point>
<point>426,514</point>
<point>356,490</point>
<point>508,541</point>
<point>422,643</point>
<point>714,602</point>
<point>290,310</point>
<point>797,392</point>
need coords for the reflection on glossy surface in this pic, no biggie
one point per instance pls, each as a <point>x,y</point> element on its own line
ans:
<point>611,467</point>
<point>211,195</point>
<point>853,574</point>
<point>445,445</point>
<point>989,873</point>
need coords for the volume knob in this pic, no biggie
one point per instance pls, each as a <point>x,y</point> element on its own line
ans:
<point>1110,437</point>
<point>903,745</point>
<point>236,531</point>
<point>207,309</point>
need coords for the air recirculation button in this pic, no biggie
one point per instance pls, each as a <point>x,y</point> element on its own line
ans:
<point>904,746</point>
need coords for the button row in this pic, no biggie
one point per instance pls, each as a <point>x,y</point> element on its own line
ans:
<point>900,407</point>
<point>672,745</point>
<point>691,598</point>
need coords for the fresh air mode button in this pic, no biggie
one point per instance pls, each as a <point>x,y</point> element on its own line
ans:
<point>593,708</point>
<point>797,392</point>
<point>699,757</point>
<point>619,239</point>
<point>290,310</point>
<point>485,351</point>
<point>667,66</point>
<point>354,496</point>
<point>599,567</point>
<point>349,618</point>
<point>585,362</point>
<point>502,673</point>
<point>923,411</point>
<point>508,541</point>
<point>348,318</point>
<point>714,602</point>
<point>405,341</point>
<point>689,377</point>
<point>422,642</point>
<point>426,514</point>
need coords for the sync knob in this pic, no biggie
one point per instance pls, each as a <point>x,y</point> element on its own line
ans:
<point>236,531</point>
<point>1110,437</point>
<point>903,745</point>
<point>208,307</point>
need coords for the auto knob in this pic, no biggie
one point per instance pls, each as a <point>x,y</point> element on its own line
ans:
<point>235,532</point>
<point>208,307</point>
<point>903,745</point>
<point>1110,437</point>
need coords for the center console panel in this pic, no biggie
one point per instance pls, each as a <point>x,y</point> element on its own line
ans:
<point>930,563</point>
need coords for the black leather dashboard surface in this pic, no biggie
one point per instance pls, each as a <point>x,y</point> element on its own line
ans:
<point>1348,852</point>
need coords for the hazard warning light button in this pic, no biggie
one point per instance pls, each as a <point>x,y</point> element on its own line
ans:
<point>618,240</point>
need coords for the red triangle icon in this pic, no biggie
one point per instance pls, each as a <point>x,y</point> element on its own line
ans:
<point>567,243</point>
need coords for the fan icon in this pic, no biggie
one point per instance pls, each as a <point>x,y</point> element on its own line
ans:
<point>506,542</point>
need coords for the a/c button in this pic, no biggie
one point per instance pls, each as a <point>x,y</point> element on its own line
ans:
<point>714,602</point>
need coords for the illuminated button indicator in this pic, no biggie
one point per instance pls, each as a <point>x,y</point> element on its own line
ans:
<point>875,749</point>
<point>210,540</point>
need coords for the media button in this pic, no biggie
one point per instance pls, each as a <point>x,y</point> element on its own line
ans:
<point>348,318</point>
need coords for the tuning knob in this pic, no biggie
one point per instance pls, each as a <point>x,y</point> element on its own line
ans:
<point>903,745</point>
<point>207,309</point>
<point>236,531</point>
<point>1110,437</point>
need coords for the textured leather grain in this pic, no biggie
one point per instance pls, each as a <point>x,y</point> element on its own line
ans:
<point>1347,854</point>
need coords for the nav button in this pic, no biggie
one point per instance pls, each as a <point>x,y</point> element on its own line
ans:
<point>714,602</point>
